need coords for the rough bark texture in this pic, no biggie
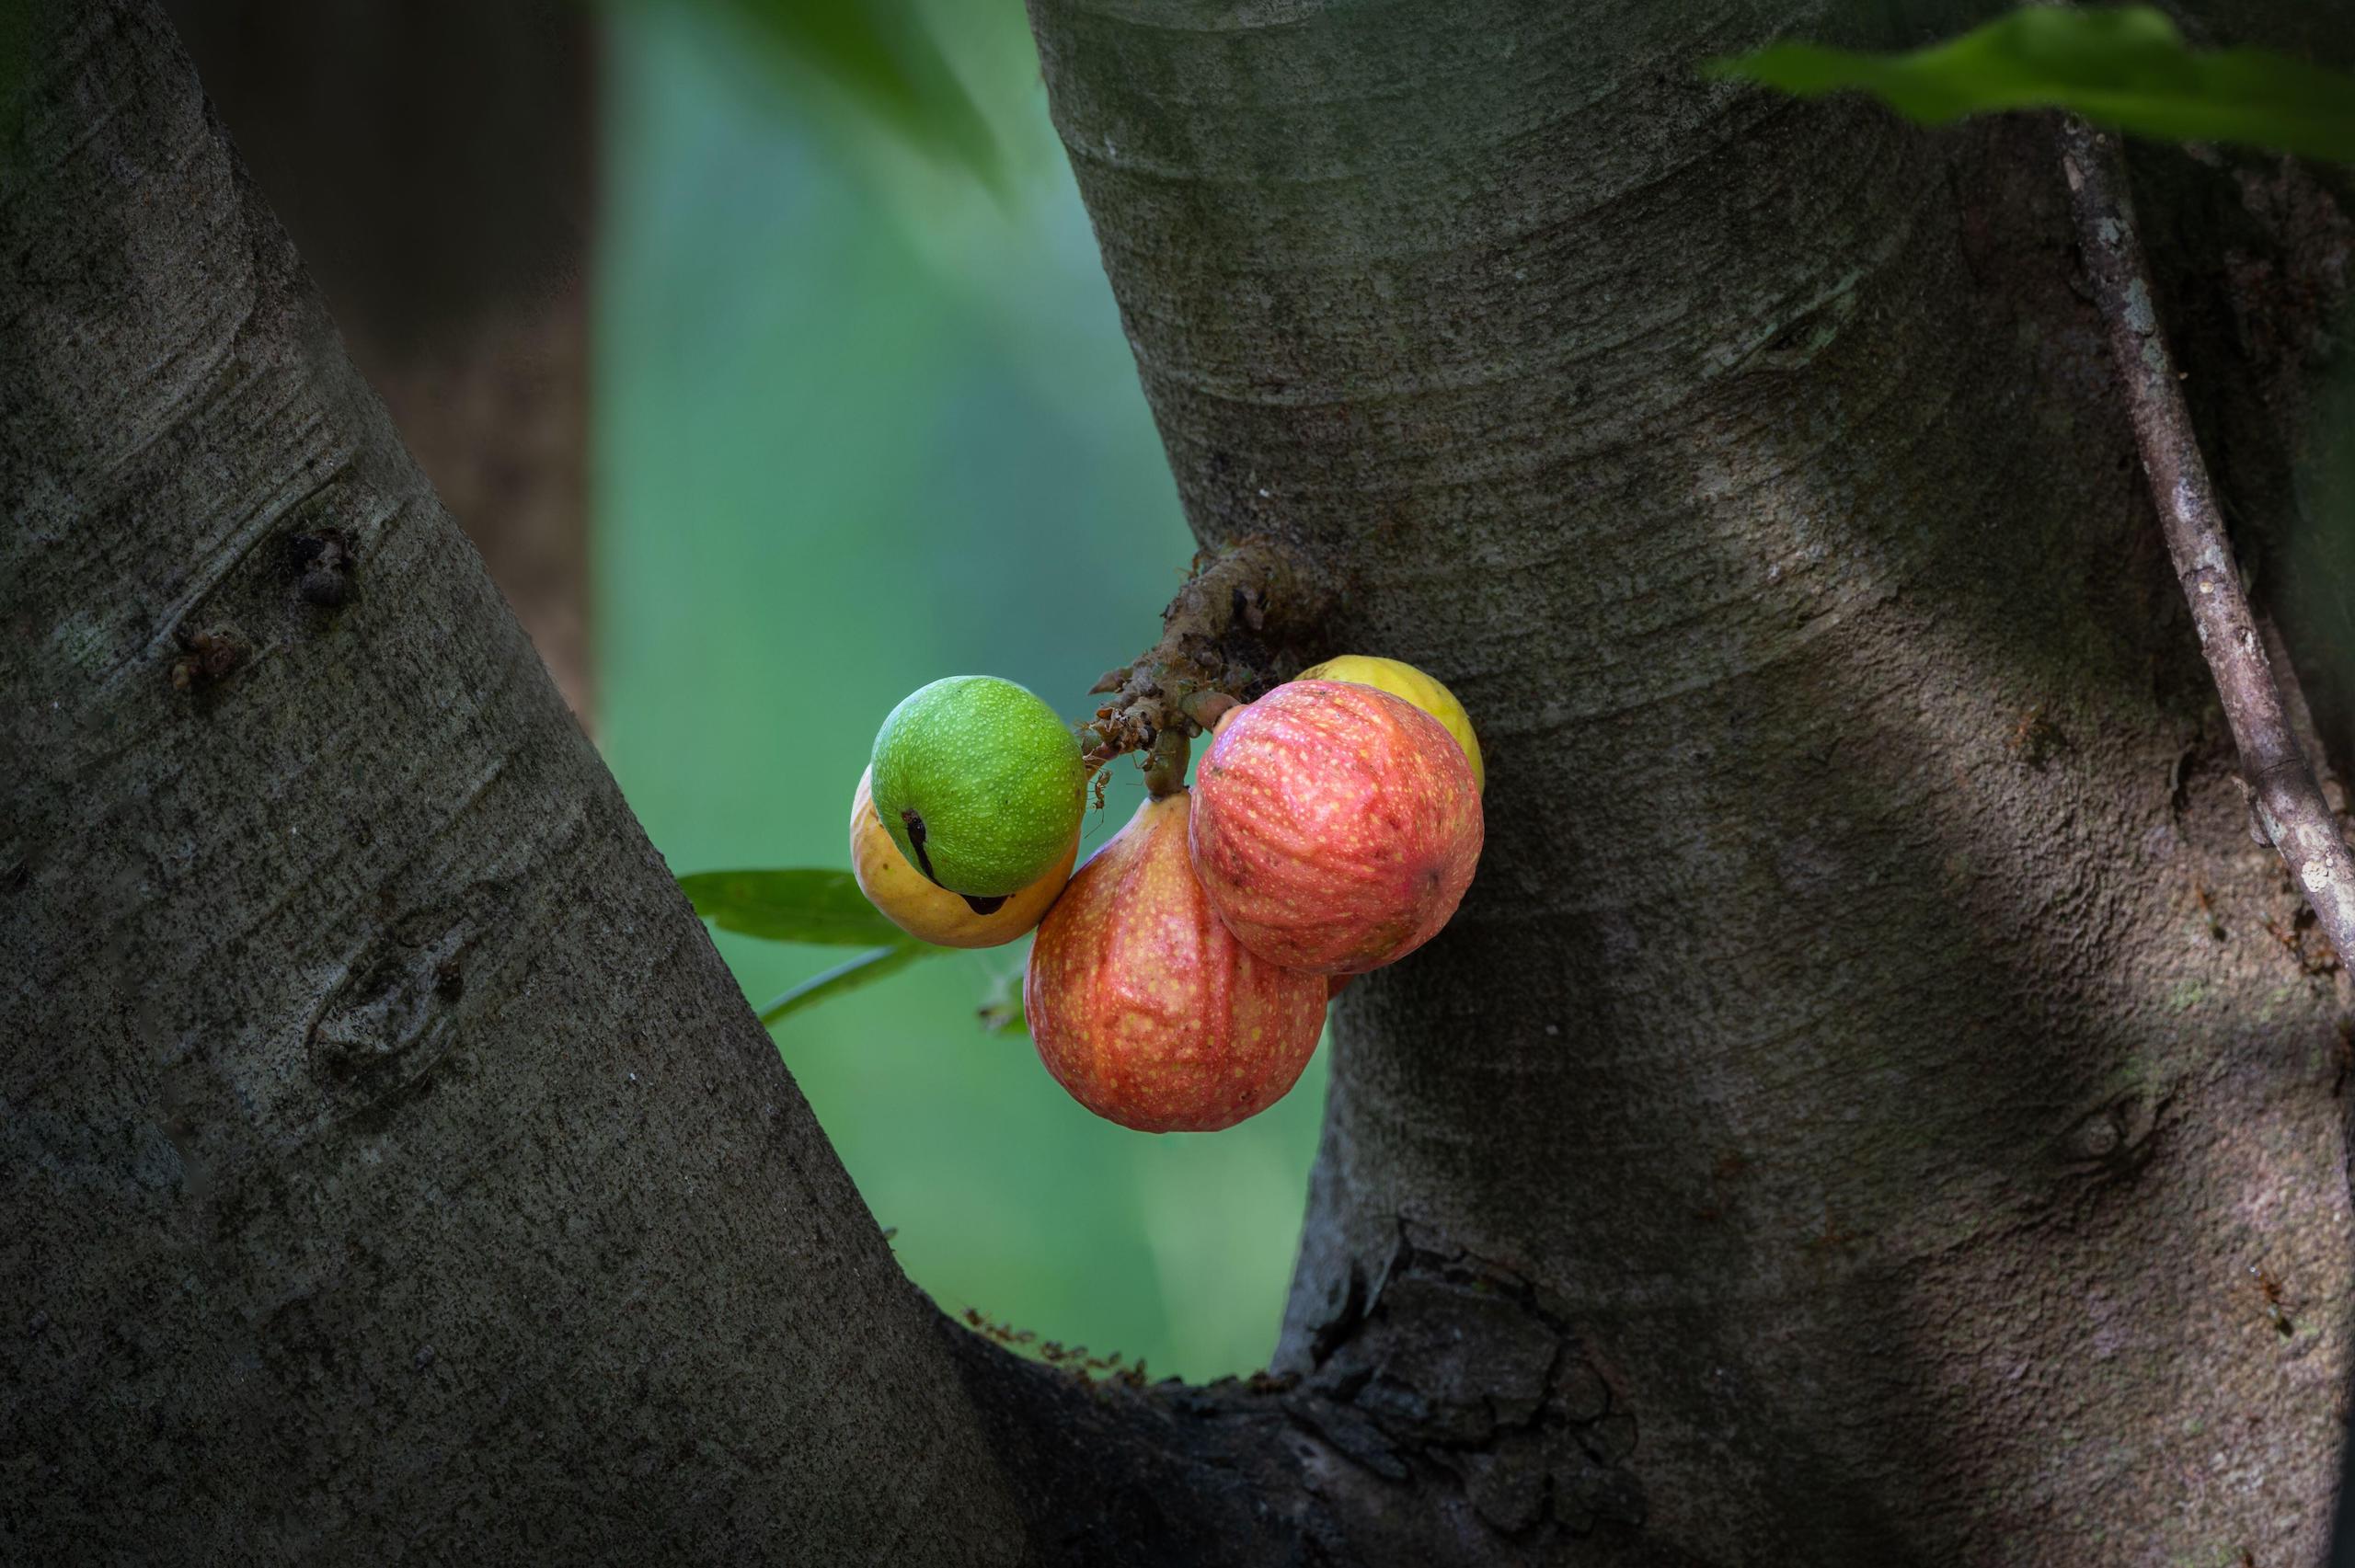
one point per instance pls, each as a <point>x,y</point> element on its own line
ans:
<point>1868,1031</point>
<point>2252,260</point>
<point>389,1165</point>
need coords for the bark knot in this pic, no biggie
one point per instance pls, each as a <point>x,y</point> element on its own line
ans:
<point>321,560</point>
<point>386,1024</point>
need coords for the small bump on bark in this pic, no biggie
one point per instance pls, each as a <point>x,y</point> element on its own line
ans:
<point>321,562</point>
<point>206,657</point>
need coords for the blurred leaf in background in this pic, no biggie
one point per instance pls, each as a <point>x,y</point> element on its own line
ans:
<point>1000,1012</point>
<point>862,422</point>
<point>882,57</point>
<point>2125,68</point>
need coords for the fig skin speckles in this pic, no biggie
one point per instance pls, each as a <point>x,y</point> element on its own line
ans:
<point>977,782</point>
<point>1403,679</point>
<point>1334,826</point>
<point>1143,1005</point>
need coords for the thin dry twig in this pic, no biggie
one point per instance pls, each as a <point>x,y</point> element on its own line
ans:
<point>2289,805</point>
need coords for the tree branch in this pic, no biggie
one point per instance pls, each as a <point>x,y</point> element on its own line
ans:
<point>2288,799</point>
<point>1813,1040</point>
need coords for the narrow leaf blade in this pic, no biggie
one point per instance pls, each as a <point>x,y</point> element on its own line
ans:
<point>804,904</point>
<point>845,976</point>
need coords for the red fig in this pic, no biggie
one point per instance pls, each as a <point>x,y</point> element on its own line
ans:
<point>1143,1005</point>
<point>1334,826</point>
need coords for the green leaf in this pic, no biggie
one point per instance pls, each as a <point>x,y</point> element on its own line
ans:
<point>2127,69</point>
<point>821,907</point>
<point>847,976</point>
<point>881,54</point>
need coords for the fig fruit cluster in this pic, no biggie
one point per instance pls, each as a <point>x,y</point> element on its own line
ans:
<point>1179,978</point>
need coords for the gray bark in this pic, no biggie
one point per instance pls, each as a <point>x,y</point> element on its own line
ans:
<point>2277,766</point>
<point>389,1165</point>
<point>1865,1035</point>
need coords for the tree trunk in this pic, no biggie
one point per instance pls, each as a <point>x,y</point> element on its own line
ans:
<point>1844,1126</point>
<point>389,1164</point>
<point>1868,1042</point>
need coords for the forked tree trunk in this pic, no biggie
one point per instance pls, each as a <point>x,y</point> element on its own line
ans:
<point>1841,1127</point>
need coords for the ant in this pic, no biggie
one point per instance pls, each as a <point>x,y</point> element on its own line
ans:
<point>2317,960</point>
<point>2268,1285</point>
<point>2208,909</point>
<point>2036,738</point>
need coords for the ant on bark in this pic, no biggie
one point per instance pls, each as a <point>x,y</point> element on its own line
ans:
<point>2268,1285</point>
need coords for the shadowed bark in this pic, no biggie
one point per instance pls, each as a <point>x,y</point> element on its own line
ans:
<point>433,161</point>
<point>2278,766</point>
<point>389,1164</point>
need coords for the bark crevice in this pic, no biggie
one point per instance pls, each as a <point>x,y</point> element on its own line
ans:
<point>1452,1416</point>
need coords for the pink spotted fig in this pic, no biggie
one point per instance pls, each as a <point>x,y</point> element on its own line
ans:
<point>1145,1008</point>
<point>1334,826</point>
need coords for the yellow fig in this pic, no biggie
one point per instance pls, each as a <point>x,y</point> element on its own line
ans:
<point>1402,680</point>
<point>932,913</point>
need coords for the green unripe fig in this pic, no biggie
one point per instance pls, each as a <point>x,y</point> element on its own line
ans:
<point>979,784</point>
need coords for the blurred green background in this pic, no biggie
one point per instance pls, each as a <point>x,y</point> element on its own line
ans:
<point>863,420</point>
